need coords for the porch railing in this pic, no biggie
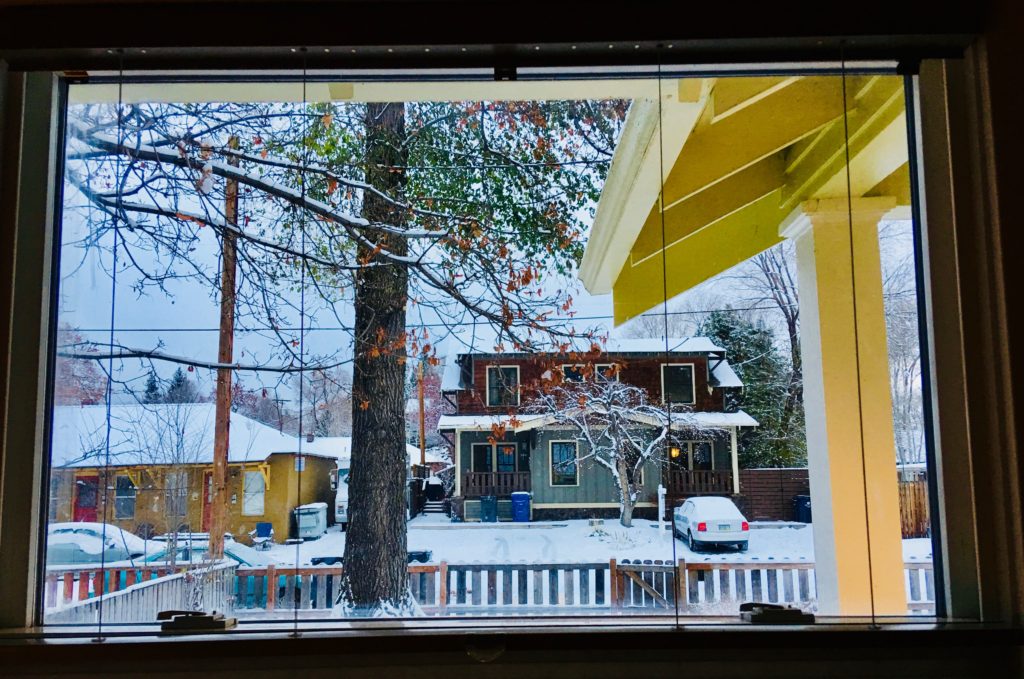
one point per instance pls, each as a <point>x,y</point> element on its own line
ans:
<point>683,482</point>
<point>209,587</point>
<point>477,484</point>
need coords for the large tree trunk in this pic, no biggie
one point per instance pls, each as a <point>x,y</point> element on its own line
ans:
<point>375,579</point>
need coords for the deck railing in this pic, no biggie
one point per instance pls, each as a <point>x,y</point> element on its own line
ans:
<point>207,588</point>
<point>478,484</point>
<point>686,483</point>
<point>702,588</point>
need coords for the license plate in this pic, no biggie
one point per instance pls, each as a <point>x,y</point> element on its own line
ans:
<point>724,526</point>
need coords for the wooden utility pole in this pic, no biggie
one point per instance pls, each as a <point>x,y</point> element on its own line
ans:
<point>225,356</point>
<point>423,413</point>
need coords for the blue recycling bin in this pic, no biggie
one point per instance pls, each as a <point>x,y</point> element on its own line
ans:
<point>489,509</point>
<point>521,507</point>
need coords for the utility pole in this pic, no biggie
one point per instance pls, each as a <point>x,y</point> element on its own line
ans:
<point>225,356</point>
<point>423,413</point>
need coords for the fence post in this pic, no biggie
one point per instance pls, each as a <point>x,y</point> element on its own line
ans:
<point>442,597</point>
<point>681,582</point>
<point>271,586</point>
<point>613,586</point>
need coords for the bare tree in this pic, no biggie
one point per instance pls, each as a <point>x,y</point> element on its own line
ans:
<point>439,212</point>
<point>616,428</point>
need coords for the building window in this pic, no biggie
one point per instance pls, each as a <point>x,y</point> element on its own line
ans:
<point>482,457</point>
<point>564,464</point>
<point>503,385</point>
<point>124,498</point>
<point>506,456</point>
<point>677,383</point>
<point>577,372</point>
<point>254,490</point>
<point>176,489</point>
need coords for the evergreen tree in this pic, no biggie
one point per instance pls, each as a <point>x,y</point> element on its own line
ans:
<point>181,389</point>
<point>152,394</point>
<point>779,440</point>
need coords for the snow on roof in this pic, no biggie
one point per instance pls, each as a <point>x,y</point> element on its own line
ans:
<point>169,433</point>
<point>724,376</point>
<point>487,422</point>
<point>704,420</point>
<point>451,378</point>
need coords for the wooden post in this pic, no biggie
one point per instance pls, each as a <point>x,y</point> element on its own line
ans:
<point>271,586</point>
<point>613,584</point>
<point>423,413</point>
<point>443,591</point>
<point>225,356</point>
<point>681,583</point>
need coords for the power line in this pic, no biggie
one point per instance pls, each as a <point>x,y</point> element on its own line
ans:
<point>565,319</point>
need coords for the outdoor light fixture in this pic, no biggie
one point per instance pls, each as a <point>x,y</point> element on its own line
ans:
<point>674,452</point>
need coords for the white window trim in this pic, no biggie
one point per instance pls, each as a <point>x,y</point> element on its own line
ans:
<point>551,459</point>
<point>693,379</point>
<point>597,368</point>
<point>134,496</point>
<point>487,380</point>
<point>263,501</point>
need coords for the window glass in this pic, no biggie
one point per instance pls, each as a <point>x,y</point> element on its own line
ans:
<point>504,310</point>
<point>564,463</point>
<point>678,380</point>
<point>253,493</point>
<point>502,386</point>
<point>124,498</point>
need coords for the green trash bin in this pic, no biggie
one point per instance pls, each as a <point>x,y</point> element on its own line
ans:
<point>489,509</point>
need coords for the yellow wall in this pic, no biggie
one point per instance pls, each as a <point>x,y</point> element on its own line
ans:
<point>282,495</point>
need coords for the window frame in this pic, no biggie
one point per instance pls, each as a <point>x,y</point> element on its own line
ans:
<point>947,112</point>
<point>551,463</point>
<point>487,380</point>
<point>117,497</point>
<point>472,457</point>
<point>693,383</point>
<point>246,475</point>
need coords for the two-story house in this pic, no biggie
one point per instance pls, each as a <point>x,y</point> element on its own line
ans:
<point>500,448</point>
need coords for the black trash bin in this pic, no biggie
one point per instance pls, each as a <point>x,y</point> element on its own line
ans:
<point>802,508</point>
<point>489,509</point>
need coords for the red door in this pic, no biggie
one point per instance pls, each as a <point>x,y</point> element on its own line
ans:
<point>207,499</point>
<point>86,497</point>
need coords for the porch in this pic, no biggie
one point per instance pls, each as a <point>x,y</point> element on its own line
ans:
<point>499,484</point>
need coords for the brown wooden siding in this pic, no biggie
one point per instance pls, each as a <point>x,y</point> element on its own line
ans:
<point>643,372</point>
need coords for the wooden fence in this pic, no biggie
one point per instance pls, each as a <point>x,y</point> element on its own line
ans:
<point>914,518</point>
<point>208,588</point>
<point>628,586</point>
<point>64,585</point>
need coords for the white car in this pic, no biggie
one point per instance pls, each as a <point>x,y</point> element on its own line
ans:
<point>703,521</point>
<point>85,543</point>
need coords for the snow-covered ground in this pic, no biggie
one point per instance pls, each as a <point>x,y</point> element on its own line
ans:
<point>577,542</point>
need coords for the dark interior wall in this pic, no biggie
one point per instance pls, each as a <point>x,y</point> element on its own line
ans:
<point>994,76</point>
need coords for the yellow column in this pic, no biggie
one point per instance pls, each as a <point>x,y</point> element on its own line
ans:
<point>848,405</point>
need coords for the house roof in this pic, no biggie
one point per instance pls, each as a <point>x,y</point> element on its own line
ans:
<point>173,433</point>
<point>703,420</point>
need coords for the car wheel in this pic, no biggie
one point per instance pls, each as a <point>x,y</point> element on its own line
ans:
<point>743,546</point>
<point>690,542</point>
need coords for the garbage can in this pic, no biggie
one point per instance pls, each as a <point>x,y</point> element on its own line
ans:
<point>489,509</point>
<point>311,521</point>
<point>802,508</point>
<point>521,507</point>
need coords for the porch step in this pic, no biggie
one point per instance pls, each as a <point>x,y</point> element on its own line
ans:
<point>434,507</point>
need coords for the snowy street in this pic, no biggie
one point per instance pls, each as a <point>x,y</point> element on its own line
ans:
<point>576,541</point>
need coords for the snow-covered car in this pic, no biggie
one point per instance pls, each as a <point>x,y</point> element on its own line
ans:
<point>189,552</point>
<point>704,521</point>
<point>340,497</point>
<point>83,542</point>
